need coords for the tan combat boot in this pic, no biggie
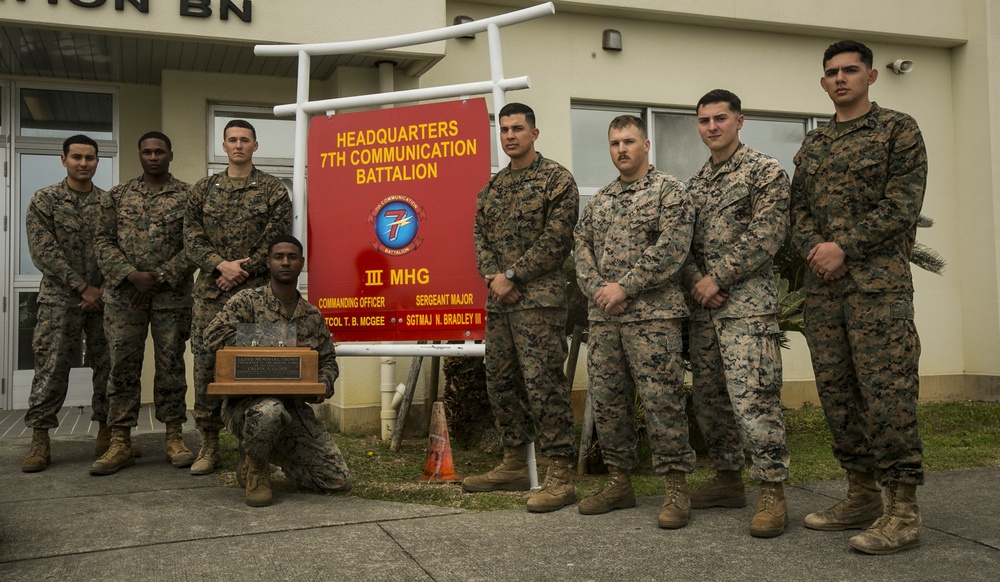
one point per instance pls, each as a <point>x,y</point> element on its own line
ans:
<point>617,493</point>
<point>772,512</point>
<point>557,490</point>
<point>258,478</point>
<point>103,441</point>
<point>177,452</point>
<point>510,475</point>
<point>40,453</point>
<point>859,510</point>
<point>724,490</point>
<point>899,527</point>
<point>118,455</point>
<point>209,457</point>
<point>676,509</point>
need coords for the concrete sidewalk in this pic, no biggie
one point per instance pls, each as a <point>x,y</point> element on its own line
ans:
<point>155,522</point>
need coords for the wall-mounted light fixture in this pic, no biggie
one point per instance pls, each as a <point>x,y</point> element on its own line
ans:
<point>611,40</point>
<point>900,66</point>
<point>462,19</point>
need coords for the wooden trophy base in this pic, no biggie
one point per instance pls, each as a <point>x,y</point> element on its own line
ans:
<point>266,371</point>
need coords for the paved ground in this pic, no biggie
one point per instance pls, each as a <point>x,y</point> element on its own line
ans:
<point>73,421</point>
<point>154,522</point>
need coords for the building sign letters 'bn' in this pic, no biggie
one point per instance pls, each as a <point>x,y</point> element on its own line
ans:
<point>192,8</point>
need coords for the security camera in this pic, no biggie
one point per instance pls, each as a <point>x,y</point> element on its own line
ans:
<point>901,66</point>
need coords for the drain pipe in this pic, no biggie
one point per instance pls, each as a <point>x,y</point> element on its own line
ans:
<point>388,367</point>
<point>388,389</point>
<point>386,79</point>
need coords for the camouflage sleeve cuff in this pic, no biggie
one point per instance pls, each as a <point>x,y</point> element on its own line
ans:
<point>73,281</point>
<point>213,263</point>
<point>628,288</point>
<point>850,249</point>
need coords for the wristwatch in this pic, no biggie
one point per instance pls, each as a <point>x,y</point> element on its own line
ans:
<point>161,278</point>
<point>511,274</point>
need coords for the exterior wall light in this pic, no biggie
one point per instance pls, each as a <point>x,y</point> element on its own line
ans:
<point>462,19</point>
<point>611,40</point>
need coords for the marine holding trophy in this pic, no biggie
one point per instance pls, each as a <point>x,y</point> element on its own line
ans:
<point>281,429</point>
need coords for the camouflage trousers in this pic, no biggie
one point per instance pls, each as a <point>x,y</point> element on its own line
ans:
<point>639,358</point>
<point>126,329</point>
<point>57,338</point>
<point>736,368</point>
<point>865,351</point>
<point>287,432</point>
<point>528,390</point>
<point>207,411</point>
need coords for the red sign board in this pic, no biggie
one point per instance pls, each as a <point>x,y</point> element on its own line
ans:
<point>392,198</point>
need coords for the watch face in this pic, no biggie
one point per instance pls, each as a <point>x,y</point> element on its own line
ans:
<point>509,274</point>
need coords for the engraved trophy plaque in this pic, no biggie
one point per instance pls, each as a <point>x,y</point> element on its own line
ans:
<point>261,359</point>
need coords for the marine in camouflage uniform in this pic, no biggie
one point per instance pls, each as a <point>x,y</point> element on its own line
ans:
<point>741,222</point>
<point>226,221</point>
<point>60,224</point>
<point>524,229</point>
<point>141,231</point>
<point>741,205</point>
<point>633,238</point>
<point>284,431</point>
<point>859,184</point>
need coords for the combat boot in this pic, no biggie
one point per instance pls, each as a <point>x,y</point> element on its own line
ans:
<point>103,441</point>
<point>177,452</point>
<point>118,455</point>
<point>617,493</point>
<point>676,509</point>
<point>510,475</point>
<point>859,510</point>
<point>899,527</point>
<point>772,512</point>
<point>209,457</point>
<point>258,477</point>
<point>557,490</point>
<point>724,490</point>
<point>40,454</point>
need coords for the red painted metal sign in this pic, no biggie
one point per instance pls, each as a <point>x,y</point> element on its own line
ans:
<point>392,197</point>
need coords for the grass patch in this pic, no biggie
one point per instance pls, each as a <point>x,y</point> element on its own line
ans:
<point>956,435</point>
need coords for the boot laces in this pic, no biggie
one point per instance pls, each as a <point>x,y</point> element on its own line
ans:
<point>605,491</point>
<point>673,489</point>
<point>37,448</point>
<point>890,510</point>
<point>767,498</point>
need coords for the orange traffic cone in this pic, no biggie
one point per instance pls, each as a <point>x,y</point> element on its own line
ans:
<point>439,467</point>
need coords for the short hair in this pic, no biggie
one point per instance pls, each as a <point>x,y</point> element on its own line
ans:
<point>518,109</point>
<point>721,96</point>
<point>80,139</point>
<point>239,123</point>
<point>283,238</point>
<point>623,121</point>
<point>156,135</point>
<point>849,46</point>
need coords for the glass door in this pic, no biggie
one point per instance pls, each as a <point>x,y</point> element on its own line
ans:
<point>45,116</point>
